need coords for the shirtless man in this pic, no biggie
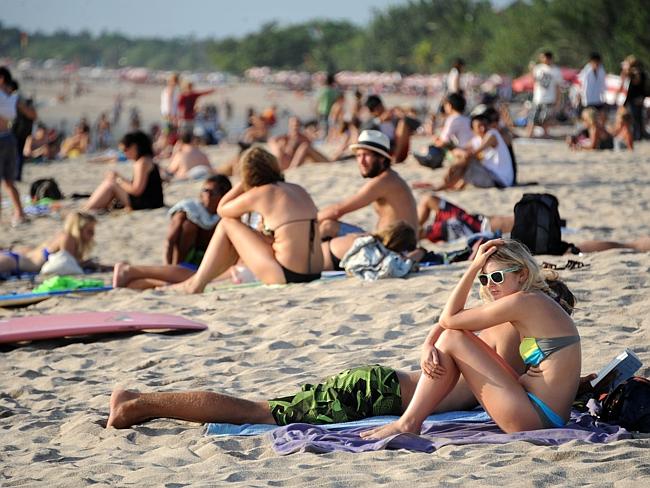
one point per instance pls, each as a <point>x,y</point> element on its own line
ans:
<point>386,190</point>
<point>294,148</point>
<point>186,157</point>
<point>9,105</point>
<point>189,235</point>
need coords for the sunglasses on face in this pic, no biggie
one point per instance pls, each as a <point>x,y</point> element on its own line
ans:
<point>213,193</point>
<point>497,277</point>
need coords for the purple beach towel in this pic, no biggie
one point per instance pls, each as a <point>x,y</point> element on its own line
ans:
<point>316,439</point>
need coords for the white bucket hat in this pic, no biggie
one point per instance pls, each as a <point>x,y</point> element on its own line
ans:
<point>373,140</point>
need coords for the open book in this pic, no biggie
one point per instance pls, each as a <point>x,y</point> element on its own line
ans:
<point>619,369</point>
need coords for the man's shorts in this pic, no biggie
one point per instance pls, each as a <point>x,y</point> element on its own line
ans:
<point>478,175</point>
<point>353,394</point>
<point>541,113</point>
<point>345,229</point>
<point>8,157</point>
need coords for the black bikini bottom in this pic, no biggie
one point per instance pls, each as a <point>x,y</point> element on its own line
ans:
<point>293,277</point>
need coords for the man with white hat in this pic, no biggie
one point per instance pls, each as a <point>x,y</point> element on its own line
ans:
<point>385,189</point>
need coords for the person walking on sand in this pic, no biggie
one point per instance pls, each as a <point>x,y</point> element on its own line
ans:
<point>546,93</point>
<point>388,193</point>
<point>9,107</point>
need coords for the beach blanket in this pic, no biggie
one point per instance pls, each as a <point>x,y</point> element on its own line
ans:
<point>195,212</point>
<point>224,429</point>
<point>318,439</point>
<point>369,259</point>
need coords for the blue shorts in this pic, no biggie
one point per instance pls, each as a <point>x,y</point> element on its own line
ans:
<point>345,229</point>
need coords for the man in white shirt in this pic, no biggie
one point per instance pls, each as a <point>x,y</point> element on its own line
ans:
<point>592,83</point>
<point>546,93</point>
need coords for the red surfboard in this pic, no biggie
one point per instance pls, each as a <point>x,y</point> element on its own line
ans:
<point>40,327</point>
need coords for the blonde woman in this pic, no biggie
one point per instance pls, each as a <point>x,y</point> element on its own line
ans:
<point>77,238</point>
<point>516,293</point>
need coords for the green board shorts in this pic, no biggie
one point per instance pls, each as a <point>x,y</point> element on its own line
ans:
<point>352,394</point>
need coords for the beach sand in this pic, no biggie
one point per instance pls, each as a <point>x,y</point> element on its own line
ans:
<point>266,341</point>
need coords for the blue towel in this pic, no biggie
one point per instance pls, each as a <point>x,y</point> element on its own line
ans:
<point>478,415</point>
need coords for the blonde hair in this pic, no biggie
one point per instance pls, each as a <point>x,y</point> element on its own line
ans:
<point>398,236</point>
<point>589,115</point>
<point>74,223</point>
<point>515,254</point>
<point>259,167</point>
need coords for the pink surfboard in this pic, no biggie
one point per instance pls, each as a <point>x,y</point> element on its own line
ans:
<point>84,323</point>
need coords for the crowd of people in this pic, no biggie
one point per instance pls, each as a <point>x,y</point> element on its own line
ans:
<point>524,368</point>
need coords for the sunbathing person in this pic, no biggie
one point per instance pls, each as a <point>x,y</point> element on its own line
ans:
<point>286,250</point>
<point>188,161</point>
<point>353,394</point>
<point>193,223</point>
<point>389,194</point>
<point>143,192</point>
<point>77,238</point>
<point>76,144</point>
<point>595,135</point>
<point>295,148</point>
<point>452,222</point>
<point>514,292</point>
<point>41,145</point>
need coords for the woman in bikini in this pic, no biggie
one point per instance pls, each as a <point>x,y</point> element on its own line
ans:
<point>516,293</point>
<point>144,191</point>
<point>77,238</point>
<point>286,250</point>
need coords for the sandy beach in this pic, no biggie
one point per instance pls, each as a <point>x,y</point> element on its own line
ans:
<point>265,341</point>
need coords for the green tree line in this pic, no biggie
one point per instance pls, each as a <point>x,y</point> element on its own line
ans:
<point>420,36</point>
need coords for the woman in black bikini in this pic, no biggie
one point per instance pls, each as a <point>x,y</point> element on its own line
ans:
<point>288,248</point>
<point>144,191</point>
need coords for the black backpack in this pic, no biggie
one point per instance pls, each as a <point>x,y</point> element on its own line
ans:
<point>629,405</point>
<point>45,188</point>
<point>538,224</point>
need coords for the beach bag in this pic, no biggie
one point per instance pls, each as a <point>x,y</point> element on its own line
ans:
<point>433,159</point>
<point>538,224</point>
<point>45,188</point>
<point>61,263</point>
<point>629,405</point>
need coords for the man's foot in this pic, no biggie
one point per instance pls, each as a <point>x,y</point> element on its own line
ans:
<point>123,409</point>
<point>391,429</point>
<point>121,275</point>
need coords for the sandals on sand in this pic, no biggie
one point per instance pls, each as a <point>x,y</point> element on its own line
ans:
<point>570,264</point>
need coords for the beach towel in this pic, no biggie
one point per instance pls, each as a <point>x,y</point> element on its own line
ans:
<point>370,260</point>
<point>318,439</point>
<point>64,283</point>
<point>196,213</point>
<point>223,429</point>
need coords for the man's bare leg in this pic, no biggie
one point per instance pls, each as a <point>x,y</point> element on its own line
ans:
<point>128,276</point>
<point>131,407</point>
<point>19,214</point>
<point>503,223</point>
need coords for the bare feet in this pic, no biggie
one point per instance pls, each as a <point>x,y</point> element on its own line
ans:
<point>394,428</point>
<point>123,411</point>
<point>120,275</point>
<point>189,286</point>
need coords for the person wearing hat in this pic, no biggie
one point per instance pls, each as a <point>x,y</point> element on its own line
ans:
<point>385,189</point>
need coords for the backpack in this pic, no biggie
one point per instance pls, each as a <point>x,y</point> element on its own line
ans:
<point>45,188</point>
<point>629,405</point>
<point>538,224</point>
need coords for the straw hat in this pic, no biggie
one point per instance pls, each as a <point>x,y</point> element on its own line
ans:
<point>373,140</point>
